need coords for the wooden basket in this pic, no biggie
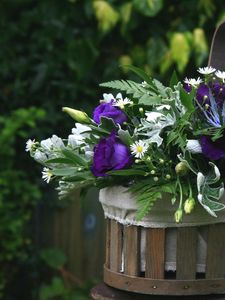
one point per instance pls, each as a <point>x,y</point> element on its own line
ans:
<point>125,240</point>
<point>123,244</point>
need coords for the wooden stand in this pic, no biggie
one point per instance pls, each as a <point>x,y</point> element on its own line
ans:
<point>123,249</point>
<point>104,292</point>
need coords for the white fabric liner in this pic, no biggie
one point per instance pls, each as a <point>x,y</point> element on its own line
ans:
<point>120,205</point>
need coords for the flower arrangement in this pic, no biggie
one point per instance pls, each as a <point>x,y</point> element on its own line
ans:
<point>157,140</point>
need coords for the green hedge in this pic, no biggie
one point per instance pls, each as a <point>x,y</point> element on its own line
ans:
<point>54,54</point>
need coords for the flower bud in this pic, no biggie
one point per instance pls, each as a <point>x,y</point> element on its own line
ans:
<point>189,205</point>
<point>77,115</point>
<point>181,168</point>
<point>178,215</point>
<point>156,178</point>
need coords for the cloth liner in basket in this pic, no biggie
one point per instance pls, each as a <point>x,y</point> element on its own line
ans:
<point>119,204</point>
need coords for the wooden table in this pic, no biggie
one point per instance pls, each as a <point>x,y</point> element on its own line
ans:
<point>104,292</point>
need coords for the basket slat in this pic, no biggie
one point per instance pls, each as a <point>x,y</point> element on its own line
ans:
<point>186,253</point>
<point>155,253</point>
<point>115,246</point>
<point>107,242</point>
<point>215,261</point>
<point>131,250</point>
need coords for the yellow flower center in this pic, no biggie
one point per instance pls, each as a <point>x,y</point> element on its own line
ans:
<point>139,149</point>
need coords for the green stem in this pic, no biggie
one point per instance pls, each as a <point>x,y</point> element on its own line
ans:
<point>190,189</point>
<point>181,193</point>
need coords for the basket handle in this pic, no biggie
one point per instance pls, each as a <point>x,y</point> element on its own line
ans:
<point>217,51</point>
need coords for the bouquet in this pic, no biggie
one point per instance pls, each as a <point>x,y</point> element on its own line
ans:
<point>154,139</point>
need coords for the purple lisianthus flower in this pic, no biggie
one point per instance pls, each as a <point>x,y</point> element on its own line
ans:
<point>187,87</point>
<point>213,150</point>
<point>110,154</point>
<point>202,94</point>
<point>109,111</point>
<point>218,91</point>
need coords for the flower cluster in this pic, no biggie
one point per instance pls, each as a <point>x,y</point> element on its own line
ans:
<point>158,139</point>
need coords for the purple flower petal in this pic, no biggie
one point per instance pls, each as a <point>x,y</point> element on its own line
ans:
<point>202,94</point>
<point>213,150</point>
<point>218,91</point>
<point>187,87</point>
<point>110,154</point>
<point>109,111</point>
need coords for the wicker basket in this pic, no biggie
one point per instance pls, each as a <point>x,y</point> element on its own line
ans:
<point>123,247</point>
<point>123,267</point>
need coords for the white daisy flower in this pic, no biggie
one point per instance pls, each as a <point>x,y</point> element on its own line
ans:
<point>144,84</point>
<point>46,175</point>
<point>139,148</point>
<point>220,74</point>
<point>206,70</point>
<point>30,145</point>
<point>193,82</point>
<point>120,102</point>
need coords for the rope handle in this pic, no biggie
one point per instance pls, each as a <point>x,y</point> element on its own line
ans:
<point>217,51</point>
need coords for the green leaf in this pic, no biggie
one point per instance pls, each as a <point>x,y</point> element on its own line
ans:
<point>106,15</point>
<point>187,99</point>
<point>107,124</point>
<point>174,79</point>
<point>200,45</point>
<point>149,100</point>
<point>64,171</point>
<point>125,137</point>
<point>80,176</point>
<point>76,158</point>
<point>98,130</point>
<point>140,73</point>
<point>146,202</point>
<point>148,8</point>
<point>180,50</point>
<point>127,172</point>
<point>55,290</point>
<point>130,87</point>
<point>59,160</point>
<point>53,257</point>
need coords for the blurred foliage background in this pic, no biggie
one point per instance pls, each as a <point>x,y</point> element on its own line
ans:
<point>54,54</point>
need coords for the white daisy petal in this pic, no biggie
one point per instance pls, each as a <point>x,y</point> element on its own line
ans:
<point>46,175</point>
<point>30,145</point>
<point>139,148</point>
<point>206,70</point>
<point>108,98</point>
<point>193,82</point>
<point>220,74</point>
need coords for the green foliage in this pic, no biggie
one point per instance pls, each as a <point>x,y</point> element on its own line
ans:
<point>147,195</point>
<point>18,193</point>
<point>148,8</point>
<point>53,257</point>
<point>57,289</point>
<point>136,89</point>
